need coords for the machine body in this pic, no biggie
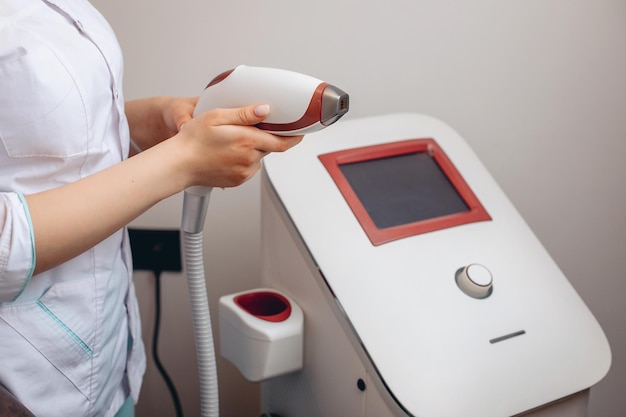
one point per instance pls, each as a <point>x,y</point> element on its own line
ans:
<point>458,312</point>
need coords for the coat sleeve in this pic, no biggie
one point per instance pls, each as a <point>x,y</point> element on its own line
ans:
<point>17,246</point>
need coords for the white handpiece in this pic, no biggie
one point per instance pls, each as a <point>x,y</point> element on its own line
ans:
<point>299,103</point>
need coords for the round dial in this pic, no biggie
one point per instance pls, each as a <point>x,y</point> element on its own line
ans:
<point>475,280</point>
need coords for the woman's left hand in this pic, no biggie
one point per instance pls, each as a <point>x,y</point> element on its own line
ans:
<point>152,120</point>
<point>178,111</point>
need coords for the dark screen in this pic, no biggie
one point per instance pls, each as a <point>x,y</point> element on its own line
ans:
<point>403,189</point>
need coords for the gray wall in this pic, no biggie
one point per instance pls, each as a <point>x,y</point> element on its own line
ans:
<point>538,89</point>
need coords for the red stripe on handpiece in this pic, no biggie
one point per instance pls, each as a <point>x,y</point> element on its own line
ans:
<point>311,116</point>
<point>220,78</point>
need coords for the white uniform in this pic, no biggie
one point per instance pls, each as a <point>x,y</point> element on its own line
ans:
<point>70,339</point>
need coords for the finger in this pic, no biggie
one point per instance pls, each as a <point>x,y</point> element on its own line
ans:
<point>252,115</point>
<point>280,143</point>
<point>242,116</point>
<point>181,120</point>
<point>179,111</point>
<point>262,110</point>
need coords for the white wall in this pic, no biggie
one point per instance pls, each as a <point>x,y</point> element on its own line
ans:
<point>538,89</point>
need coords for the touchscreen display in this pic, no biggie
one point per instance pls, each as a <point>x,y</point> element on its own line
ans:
<point>403,189</point>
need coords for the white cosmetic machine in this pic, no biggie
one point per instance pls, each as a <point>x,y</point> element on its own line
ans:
<point>413,286</point>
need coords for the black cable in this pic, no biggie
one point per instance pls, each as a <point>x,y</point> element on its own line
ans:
<point>155,342</point>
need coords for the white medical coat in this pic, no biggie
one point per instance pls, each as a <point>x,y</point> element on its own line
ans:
<point>65,333</point>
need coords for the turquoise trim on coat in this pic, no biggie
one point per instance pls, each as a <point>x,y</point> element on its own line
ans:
<point>67,330</point>
<point>127,409</point>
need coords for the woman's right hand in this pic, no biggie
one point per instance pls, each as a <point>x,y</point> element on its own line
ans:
<point>222,148</point>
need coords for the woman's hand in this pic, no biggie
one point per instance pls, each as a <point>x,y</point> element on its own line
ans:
<point>152,120</point>
<point>222,148</point>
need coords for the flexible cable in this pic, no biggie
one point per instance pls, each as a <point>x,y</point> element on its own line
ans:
<point>205,350</point>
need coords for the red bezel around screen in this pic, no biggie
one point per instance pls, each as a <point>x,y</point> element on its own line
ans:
<point>332,161</point>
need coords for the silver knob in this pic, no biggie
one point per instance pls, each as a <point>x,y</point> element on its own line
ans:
<point>475,280</point>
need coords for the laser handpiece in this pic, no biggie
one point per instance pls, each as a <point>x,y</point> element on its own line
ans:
<point>299,104</point>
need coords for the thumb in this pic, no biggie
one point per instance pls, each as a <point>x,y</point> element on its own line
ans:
<point>262,110</point>
<point>181,120</point>
<point>252,115</point>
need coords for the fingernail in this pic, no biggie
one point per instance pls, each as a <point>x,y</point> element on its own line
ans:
<point>262,110</point>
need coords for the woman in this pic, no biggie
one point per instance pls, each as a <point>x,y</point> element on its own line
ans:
<point>69,326</point>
